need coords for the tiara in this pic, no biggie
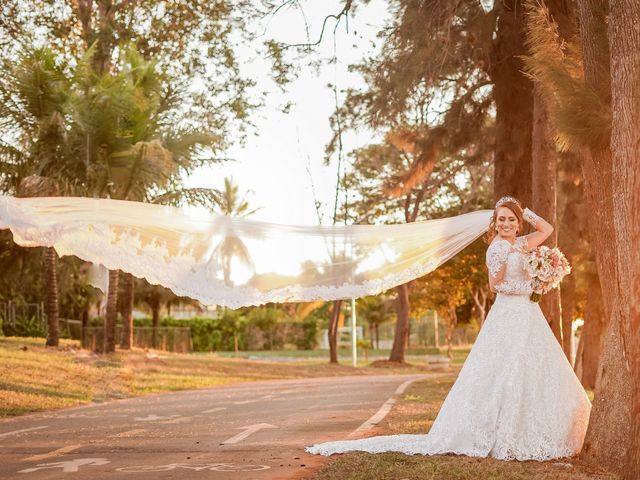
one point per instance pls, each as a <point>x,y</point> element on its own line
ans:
<point>507,199</point>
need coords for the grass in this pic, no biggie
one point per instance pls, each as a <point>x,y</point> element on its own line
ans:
<point>415,413</point>
<point>34,378</point>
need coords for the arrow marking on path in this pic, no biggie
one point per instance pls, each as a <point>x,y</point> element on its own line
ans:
<point>248,430</point>
<point>214,410</point>
<point>151,418</point>
<point>55,453</point>
<point>71,466</point>
<point>15,432</point>
<point>244,402</point>
<point>128,433</point>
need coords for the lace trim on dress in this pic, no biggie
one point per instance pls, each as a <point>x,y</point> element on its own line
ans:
<point>497,255</point>
<point>237,262</point>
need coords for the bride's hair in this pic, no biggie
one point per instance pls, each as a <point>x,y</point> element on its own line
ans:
<point>513,205</point>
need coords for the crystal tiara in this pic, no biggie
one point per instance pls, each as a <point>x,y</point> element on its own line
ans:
<point>507,199</point>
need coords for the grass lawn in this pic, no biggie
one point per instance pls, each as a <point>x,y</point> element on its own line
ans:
<point>34,378</point>
<point>414,414</point>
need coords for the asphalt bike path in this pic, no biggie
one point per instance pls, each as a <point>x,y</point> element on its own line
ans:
<point>254,430</point>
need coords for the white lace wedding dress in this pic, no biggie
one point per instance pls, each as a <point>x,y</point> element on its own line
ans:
<point>516,396</point>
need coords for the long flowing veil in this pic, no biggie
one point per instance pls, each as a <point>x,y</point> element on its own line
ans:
<point>232,262</point>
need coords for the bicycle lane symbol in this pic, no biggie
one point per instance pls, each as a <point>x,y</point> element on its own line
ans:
<point>214,467</point>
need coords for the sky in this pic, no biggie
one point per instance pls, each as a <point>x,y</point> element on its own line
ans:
<point>280,168</point>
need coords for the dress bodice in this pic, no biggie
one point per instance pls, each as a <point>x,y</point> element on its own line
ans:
<point>507,266</point>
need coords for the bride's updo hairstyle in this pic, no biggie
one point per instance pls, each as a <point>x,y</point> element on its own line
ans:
<point>512,204</point>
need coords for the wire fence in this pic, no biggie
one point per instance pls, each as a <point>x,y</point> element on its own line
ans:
<point>170,339</point>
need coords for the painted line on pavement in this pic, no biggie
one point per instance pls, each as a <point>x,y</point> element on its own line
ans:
<point>386,407</point>
<point>15,432</point>
<point>54,453</point>
<point>248,430</point>
<point>128,433</point>
<point>214,410</point>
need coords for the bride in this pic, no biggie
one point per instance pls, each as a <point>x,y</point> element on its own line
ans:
<point>516,396</point>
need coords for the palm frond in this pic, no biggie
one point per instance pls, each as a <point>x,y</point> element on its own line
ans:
<point>178,197</point>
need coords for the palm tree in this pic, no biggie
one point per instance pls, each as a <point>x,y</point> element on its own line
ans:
<point>375,311</point>
<point>130,151</point>
<point>99,135</point>
<point>33,93</point>
<point>231,204</point>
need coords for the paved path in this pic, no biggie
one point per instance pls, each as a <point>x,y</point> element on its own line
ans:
<point>247,431</point>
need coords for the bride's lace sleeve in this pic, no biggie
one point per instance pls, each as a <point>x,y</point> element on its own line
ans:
<point>497,255</point>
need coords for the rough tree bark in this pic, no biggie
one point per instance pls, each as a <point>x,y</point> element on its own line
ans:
<point>545,166</point>
<point>608,435</point>
<point>568,303</point>
<point>513,93</point>
<point>51,294</point>
<point>571,229</point>
<point>39,186</point>
<point>592,333</point>
<point>112,313</point>
<point>624,46</point>
<point>402,324</point>
<point>127,312</point>
<point>544,193</point>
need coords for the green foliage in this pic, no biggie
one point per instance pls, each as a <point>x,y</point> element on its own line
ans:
<point>25,327</point>
<point>192,39</point>
<point>309,338</point>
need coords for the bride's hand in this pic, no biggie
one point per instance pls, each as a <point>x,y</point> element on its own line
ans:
<point>543,229</point>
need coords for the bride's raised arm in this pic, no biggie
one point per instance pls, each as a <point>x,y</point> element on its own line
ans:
<point>543,230</point>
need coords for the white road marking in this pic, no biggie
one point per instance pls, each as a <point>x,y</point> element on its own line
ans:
<point>244,402</point>
<point>70,466</point>
<point>152,418</point>
<point>54,453</point>
<point>128,433</point>
<point>15,432</point>
<point>248,430</point>
<point>384,409</point>
<point>179,420</point>
<point>214,410</point>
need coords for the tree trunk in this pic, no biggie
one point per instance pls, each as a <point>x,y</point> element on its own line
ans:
<point>514,104</point>
<point>51,292</point>
<point>571,228</point>
<point>568,303</point>
<point>112,313</point>
<point>608,436</point>
<point>84,341</point>
<point>480,299</point>
<point>545,167</point>
<point>155,318</point>
<point>378,336</point>
<point>333,331</point>
<point>127,312</point>
<point>624,44</point>
<point>592,333</point>
<point>402,324</point>
<point>451,327</point>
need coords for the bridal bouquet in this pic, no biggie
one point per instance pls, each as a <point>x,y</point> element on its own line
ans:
<point>547,267</point>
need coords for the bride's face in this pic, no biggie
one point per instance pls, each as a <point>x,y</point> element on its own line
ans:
<point>506,223</point>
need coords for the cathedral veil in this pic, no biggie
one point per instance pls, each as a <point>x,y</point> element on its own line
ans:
<point>235,262</point>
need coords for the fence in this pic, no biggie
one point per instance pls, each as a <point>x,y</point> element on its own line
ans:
<point>10,311</point>
<point>170,339</point>
<point>423,332</point>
